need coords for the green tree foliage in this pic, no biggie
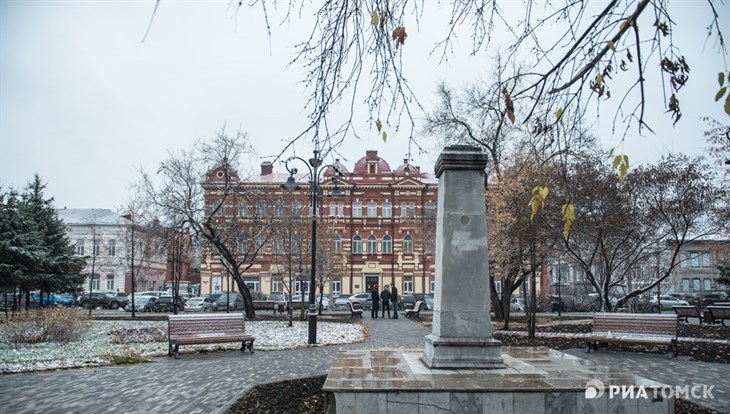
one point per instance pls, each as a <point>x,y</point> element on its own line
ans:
<point>35,252</point>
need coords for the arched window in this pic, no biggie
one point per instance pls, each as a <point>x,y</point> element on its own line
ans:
<point>357,245</point>
<point>387,244</point>
<point>408,244</point>
<point>372,244</point>
<point>338,244</point>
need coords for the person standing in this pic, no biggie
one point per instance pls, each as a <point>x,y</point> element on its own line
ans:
<point>394,299</point>
<point>385,298</point>
<point>375,297</point>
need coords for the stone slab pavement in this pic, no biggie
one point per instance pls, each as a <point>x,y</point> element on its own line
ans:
<point>210,383</point>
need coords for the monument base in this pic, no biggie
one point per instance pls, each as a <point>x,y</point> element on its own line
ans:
<point>462,353</point>
<point>532,380</point>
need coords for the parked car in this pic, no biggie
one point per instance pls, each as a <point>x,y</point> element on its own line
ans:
<point>60,299</point>
<point>406,302</point>
<point>234,300</point>
<point>323,302</point>
<point>427,298</point>
<point>166,304</point>
<point>704,300</point>
<point>140,302</point>
<point>101,299</point>
<point>666,302</point>
<point>341,302</point>
<point>199,304</point>
<point>363,299</point>
<point>559,303</point>
<point>516,305</point>
<point>212,296</point>
<point>278,297</point>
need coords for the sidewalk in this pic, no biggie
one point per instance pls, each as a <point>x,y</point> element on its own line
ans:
<point>210,383</point>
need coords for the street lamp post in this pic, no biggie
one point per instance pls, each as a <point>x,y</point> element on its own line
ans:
<point>313,166</point>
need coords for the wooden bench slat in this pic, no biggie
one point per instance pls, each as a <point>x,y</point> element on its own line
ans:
<point>206,329</point>
<point>634,328</point>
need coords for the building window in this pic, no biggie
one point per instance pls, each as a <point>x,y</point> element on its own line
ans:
<point>80,247</point>
<point>296,209</point>
<point>260,241</point>
<point>216,283</point>
<point>111,247</point>
<point>708,285</point>
<point>357,209</point>
<point>428,246</point>
<point>696,284</point>
<point>433,283</point>
<point>260,208</point>
<point>333,209</point>
<point>372,244</point>
<point>372,169</point>
<point>277,246</point>
<point>408,209</point>
<point>408,245</point>
<point>685,285</point>
<point>372,209</point>
<point>387,244</point>
<point>699,260</point>
<point>278,209</point>
<point>338,244</point>
<point>276,285</point>
<point>336,286</point>
<point>407,285</point>
<point>252,283</point>
<point>387,210</point>
<point>430,210</point>
<point>96,247</point>
<point>242,244</point>
<point>340,209</point>
<point>357,245</point>
<point>110,282</point>
<point>243,209</point>
<point>95,281</point>
<point>498,288</point>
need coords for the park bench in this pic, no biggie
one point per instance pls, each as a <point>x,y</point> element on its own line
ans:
<point>264,305</point>
<point>686,312</point>
<point>355,310</point>
<point>719,313</point>
<point>415,312</point>
<point>206,329</point>
<point>634,328</point>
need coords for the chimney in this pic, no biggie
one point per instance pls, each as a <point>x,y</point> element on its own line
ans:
<point>267,168</point>
<point>371,154</point>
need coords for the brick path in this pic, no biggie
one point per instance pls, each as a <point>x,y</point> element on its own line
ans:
<point>210,383</point>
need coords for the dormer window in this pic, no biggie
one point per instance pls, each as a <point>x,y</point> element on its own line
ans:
<point>372,168</point>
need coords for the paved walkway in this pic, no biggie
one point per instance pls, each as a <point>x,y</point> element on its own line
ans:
<point>210,383</point>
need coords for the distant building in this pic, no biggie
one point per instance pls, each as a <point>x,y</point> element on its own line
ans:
<point>698,270</point>
<point>102,236</point>
<point>382,230</point>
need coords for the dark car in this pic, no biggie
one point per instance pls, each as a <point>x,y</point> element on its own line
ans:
<point>166,304</point>
<point>233,300</point>
<point>406,302</point>
<point>703,300</point>
<point>426,298</point>
<point>104,300</point>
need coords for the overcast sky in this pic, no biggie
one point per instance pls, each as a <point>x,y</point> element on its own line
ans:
<point>84,103</point>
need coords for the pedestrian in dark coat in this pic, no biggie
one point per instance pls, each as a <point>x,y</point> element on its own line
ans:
<point>375,296</point>
<point>394,300</point>
<point>385,298</point>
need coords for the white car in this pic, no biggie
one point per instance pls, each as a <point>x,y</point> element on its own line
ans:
<point>322,301</point>
<point>139,302</point>
<point>667,302</point>
<point>199,304</point>
<point>516,305</point>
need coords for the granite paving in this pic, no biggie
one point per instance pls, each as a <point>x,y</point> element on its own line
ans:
<point>211,382</point>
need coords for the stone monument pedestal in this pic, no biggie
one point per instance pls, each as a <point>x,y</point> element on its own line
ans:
<point>531,380</point>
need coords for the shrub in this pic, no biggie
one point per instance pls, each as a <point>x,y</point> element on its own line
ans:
<point>45,325</point>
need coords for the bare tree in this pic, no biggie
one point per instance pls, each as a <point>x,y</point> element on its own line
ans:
<point>579,53</point>
<point>181,198</point>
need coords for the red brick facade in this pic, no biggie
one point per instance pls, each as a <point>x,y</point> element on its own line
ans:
<point>382,230</point>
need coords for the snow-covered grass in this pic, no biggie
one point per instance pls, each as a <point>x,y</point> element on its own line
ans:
<point>97,346</point>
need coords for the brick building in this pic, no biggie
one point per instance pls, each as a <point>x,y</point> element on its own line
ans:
<point>381,230</point>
